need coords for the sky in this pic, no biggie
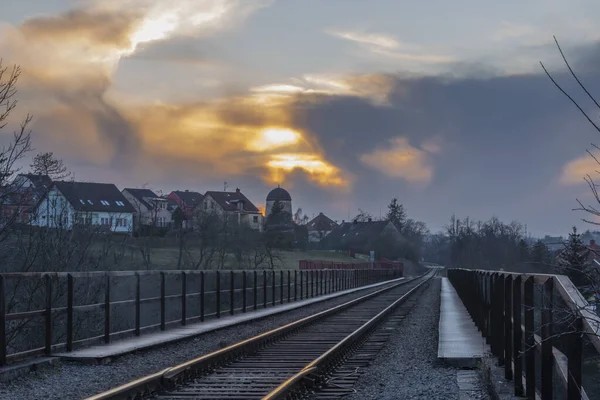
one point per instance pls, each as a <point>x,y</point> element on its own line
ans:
<point>345,103</point>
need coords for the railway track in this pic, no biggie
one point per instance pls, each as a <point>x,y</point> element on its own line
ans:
<point>322,351</point>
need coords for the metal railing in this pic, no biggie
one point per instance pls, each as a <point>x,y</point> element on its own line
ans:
<point>210,293</point>
<point>319,264</point>
<point>535,325</point>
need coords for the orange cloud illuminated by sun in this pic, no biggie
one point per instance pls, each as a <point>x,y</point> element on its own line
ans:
<point>574,171</point>
<point>401,160</point>
<point>318,170</point>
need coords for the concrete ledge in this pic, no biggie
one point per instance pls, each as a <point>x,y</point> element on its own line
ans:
<point>11,372</point>
<point>103,353</point>
<point>459,343</point>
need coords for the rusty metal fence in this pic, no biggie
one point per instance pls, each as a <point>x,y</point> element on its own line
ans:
<point>45,313</point>
<point>536,325</point>
<point>318,264</point>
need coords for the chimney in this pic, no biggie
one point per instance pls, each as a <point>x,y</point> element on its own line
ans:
<point>343,221</point>
<point>592,243</point>
<point>186,190</point>
<point>237,190</point>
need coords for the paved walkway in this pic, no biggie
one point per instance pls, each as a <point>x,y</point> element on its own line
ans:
<point>150,340</point>
<point>460,342</point>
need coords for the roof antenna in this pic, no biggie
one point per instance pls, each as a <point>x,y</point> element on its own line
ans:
<point>224,186</point>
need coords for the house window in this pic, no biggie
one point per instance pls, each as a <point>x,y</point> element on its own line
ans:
<point>118,222</point>
<point>120,203</point>
<point>81,201</point>
<point>89,201</point>
<point>255,219</point>
<point>104,202</point>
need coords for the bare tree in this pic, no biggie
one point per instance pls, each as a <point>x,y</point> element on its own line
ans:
<point>590,209</point>
<point>47,164</point>
<point>362,216</point>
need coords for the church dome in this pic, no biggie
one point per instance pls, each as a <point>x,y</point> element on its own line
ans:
<point>279,194</point>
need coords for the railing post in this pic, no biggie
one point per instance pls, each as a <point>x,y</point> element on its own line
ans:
<point>2,321</point>
<point>499,315</point>
<point>183,298</point>
<point>264,289</point>
<point>307,294</point>
<point>255,288</point>
<point>296,285</point>
<point>323,277</point>
<point>280,287</point>
<point>546,328</point>
<point>529,339</point>
<point>69,312</point>
<point>289,285</point>
<point>138,299</point>
<point>575,361</point>
<point>273,286</point>
<point>231,292</point>
<point>517,336</point>
<point>163,289</point>
<point>312,283</point>
<point>508,327</point>
<point>202,298</point>
<point>244,287</point>
<point>218,294</point>
<point>48,315</point>
<point>107,310</point>
<point>301,285</point>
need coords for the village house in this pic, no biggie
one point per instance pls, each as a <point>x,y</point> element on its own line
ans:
<point>68,204</point>
<point>20,197</point>
<point>232,204</point>
<point>150,209</point>
<point>362,237</point>
<point>187,201</point>
<point>319,227</point>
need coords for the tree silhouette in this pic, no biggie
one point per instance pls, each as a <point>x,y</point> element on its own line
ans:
<point>574,259</point>
<point>47,164</point>
<point>396,214</point>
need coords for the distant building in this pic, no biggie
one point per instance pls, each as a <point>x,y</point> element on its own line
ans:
<point>232,204</point>
<point>68,204</point>
<point>187,201</point>
<point>150,209</point>
<point>319,227</point>
<point>281,195</point>
<point>553,243</point>
<point>22,195</point>
<point>362,237</point>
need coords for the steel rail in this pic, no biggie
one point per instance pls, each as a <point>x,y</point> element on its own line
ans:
<point>170,377</point>
<point>316,367</point>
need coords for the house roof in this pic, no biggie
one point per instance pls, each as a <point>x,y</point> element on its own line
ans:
<point>321,223</point>
<point>190,199</point>
<point>229,201</point>
<point>87,196</point>
<point>41,182</point>
<point>357,233</point>
<point>140,194</point>
<point>279,194</point>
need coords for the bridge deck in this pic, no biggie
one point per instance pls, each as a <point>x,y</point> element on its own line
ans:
<point>459,341</point>
<point>130,345</point>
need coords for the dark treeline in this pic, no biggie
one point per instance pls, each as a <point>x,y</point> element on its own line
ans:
<point>490,245</point>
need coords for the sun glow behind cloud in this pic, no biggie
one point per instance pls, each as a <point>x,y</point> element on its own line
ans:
<point>274,138</point>
<point>318,170</point>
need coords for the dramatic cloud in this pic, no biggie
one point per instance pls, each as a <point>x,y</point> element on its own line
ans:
<point>136,91</point>
<point>574,171</point>
<point>400,160</point>
<point>388,46</point>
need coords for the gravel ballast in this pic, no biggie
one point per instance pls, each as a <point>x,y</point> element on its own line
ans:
<point>72,380</point>
<point>408,367</point>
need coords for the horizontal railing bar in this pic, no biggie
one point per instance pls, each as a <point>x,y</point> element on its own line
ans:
<point>93,274</point>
